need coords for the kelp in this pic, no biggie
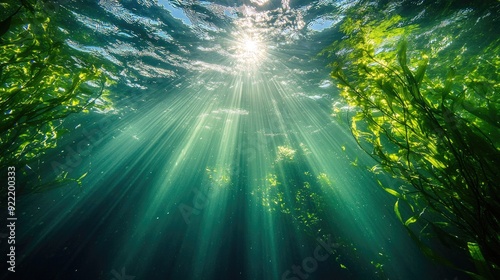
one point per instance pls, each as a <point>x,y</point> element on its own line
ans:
<point>42,83</point>
<point>436,133</point>
<point>294,190</point>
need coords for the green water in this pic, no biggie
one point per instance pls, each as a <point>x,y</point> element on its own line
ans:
<point>209,140</point>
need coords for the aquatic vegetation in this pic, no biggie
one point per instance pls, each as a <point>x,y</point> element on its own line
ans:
<point>431,120</point>
<point>231,174</point>
<point>292,189</point>
<point>42,83</point>
<point>219,177</point>
<point>324,180</point>
<point>285,153</point>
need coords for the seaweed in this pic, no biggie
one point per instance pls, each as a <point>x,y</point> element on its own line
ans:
<point>42,84</point>
<point>436,133</point>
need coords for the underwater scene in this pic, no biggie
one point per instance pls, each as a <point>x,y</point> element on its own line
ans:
<point>250,139</point>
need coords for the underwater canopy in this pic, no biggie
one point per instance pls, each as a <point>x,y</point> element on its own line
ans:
<point>254,139</point>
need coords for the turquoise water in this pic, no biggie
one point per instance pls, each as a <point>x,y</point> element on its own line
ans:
<point>220,157</point>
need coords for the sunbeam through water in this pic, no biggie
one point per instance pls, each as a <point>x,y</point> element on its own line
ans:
<point>246,140</point>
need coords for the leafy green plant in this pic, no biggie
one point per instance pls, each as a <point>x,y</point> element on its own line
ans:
<point>436,133</point>
<point>295,191</point>
<point>291,189</point>
<point>41,84</point>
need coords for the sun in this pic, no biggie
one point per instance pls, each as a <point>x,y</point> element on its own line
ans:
<point>250,50</point>
<point>250,47</point>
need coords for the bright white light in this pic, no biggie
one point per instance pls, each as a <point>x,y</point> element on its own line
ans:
<point>250,47</point>
<point>259,2</point>
<point>249,51</point>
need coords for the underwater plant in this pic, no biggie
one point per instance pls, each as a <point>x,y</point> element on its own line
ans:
<point>432,126</point>
<point>41,84</point>
<point>294,191</point>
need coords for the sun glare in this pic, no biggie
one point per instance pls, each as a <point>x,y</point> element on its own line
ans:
<point>250,46</point>
<point>250,51</point>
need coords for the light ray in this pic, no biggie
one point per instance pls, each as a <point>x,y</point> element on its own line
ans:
<point>206,157</point>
